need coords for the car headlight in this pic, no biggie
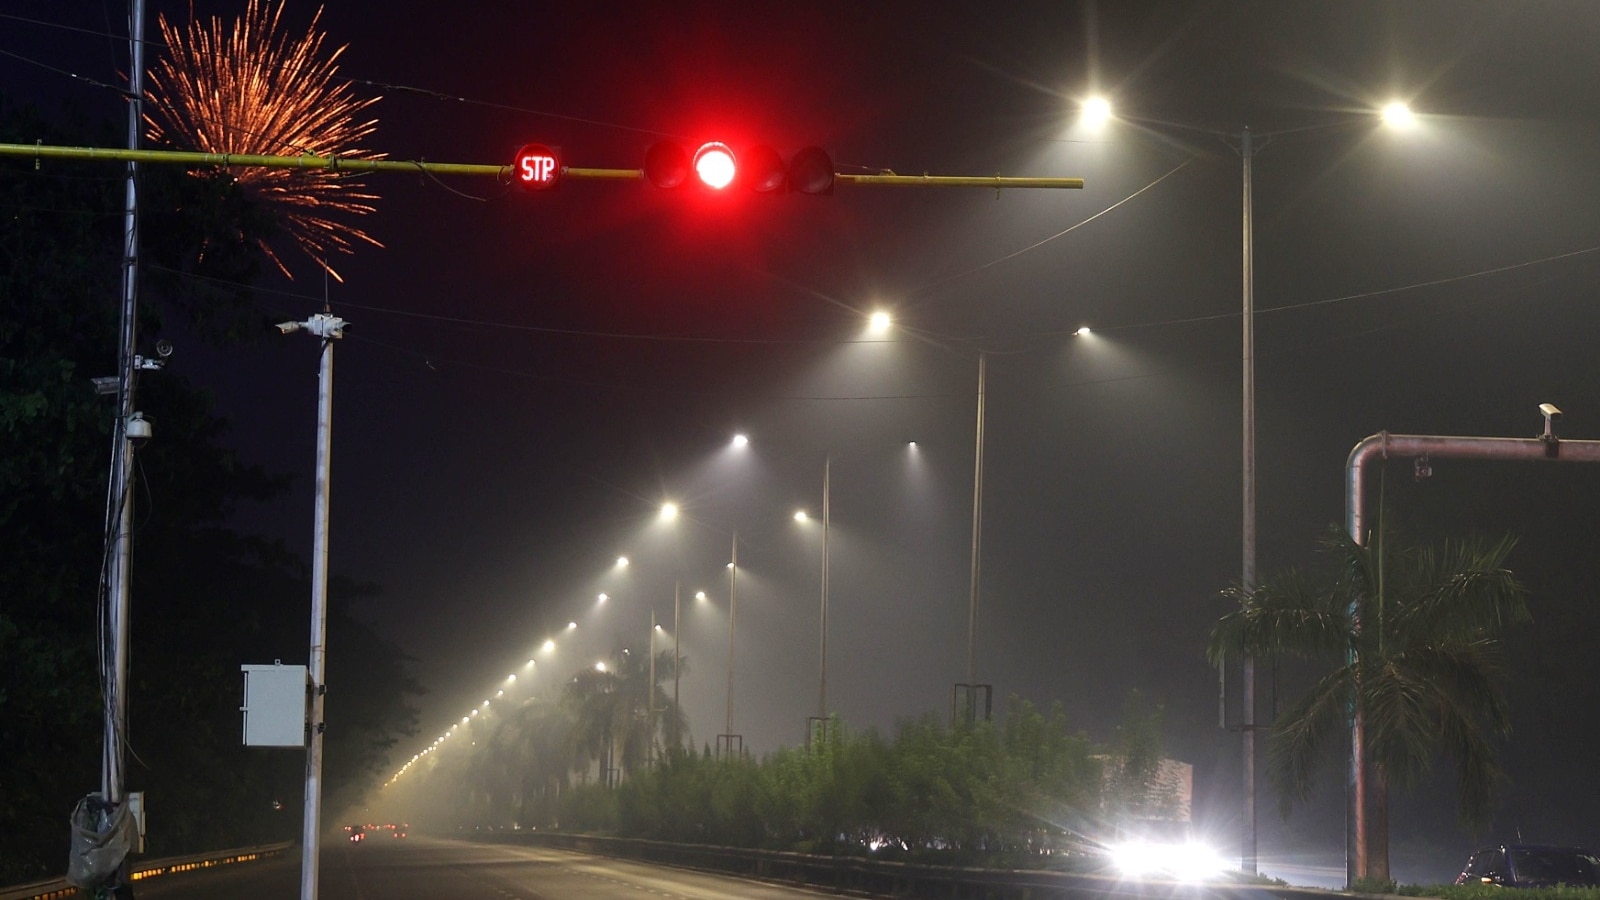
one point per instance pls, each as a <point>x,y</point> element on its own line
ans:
<point>1186,861</point>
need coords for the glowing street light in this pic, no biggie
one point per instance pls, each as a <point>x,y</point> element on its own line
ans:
<point>740,441</point>
<point>1393,115</point>
<point>1095,112</point>
<point>1398,115</point>
<point>879,323</point>
<point>669,512</point>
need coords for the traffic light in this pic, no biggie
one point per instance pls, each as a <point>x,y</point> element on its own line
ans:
<point>759,168</point>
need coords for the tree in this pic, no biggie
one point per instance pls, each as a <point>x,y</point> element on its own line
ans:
<point>1133,787</point>
<point>1413,648</point>
<point>619,713</point>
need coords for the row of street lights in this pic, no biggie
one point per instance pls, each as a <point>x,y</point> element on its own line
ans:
<point>879,324</point>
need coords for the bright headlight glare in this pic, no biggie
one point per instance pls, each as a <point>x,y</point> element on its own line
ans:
<point>1195,861</point>
<point>1135,859</point>
<point>1188,861</point>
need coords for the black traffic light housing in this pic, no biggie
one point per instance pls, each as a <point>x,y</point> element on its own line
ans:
<point>759,168</point>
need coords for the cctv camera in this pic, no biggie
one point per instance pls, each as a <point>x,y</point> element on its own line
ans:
<point>137,429</point>
<point>1550,411</point>
<point>289,327</point>
<point>163,348</point>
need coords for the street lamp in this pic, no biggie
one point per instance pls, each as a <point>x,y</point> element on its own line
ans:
<point>1394,115</point>
<point>727,739</point>
<point>727,742</point>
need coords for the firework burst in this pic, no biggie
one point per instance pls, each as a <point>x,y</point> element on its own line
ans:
<point>252,89</point>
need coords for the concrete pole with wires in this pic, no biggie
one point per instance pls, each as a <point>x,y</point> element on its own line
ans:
<point>120,494</point>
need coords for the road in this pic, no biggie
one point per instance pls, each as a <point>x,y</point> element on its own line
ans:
<point>420,868</point>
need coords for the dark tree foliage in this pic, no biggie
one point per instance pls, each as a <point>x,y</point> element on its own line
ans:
<point>1019,792</point>
<point>205,599</point>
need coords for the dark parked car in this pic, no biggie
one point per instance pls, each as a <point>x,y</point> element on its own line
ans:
<point>1528,865</point>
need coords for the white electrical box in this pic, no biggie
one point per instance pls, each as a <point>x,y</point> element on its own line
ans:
<point>136,809</point>
<point>274,705</point>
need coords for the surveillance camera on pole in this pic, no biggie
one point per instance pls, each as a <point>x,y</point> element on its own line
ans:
<point>1552,415</point>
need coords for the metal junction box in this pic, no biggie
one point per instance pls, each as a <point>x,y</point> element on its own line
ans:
<point>274,705</point>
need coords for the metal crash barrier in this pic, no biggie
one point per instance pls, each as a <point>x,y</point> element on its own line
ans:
<point>59,888</point>
<point>883,878</point>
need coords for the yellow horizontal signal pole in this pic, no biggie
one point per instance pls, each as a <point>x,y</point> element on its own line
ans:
<point>985,181</point>
<point>502,173</point>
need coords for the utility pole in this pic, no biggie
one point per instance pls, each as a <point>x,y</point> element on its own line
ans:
<point>328,328</point>
<point>111,813</point>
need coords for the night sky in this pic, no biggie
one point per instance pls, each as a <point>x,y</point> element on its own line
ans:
<point>528,377</point>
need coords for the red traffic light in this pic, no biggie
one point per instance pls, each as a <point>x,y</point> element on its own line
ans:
<point>760,168</point>
<point>714,165</point>
<point>536,167</point>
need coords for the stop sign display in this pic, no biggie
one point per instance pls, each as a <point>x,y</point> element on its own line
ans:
<point>536,167</point>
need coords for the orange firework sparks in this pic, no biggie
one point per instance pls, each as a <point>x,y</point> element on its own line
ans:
<point>254,90</point>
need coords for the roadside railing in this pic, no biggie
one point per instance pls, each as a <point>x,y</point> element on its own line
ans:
<point>59,888</point>
<point>884,878</point>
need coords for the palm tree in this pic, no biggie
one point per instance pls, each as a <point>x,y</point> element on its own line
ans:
<point>619,715</point>
<point>1415,656</point>
<point>538,735</point>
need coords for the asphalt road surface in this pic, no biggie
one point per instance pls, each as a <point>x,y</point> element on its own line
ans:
<point>420,868</point>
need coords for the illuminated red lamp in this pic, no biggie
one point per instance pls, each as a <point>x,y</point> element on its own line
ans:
<point>714,165</point>
<point>536,167</point>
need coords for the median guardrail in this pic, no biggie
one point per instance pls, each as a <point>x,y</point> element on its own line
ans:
<point>59,888</point>
<point>884,878</point>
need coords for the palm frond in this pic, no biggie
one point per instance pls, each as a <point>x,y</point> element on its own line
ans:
<point>1302,736</point>
<point>1285,617</point>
